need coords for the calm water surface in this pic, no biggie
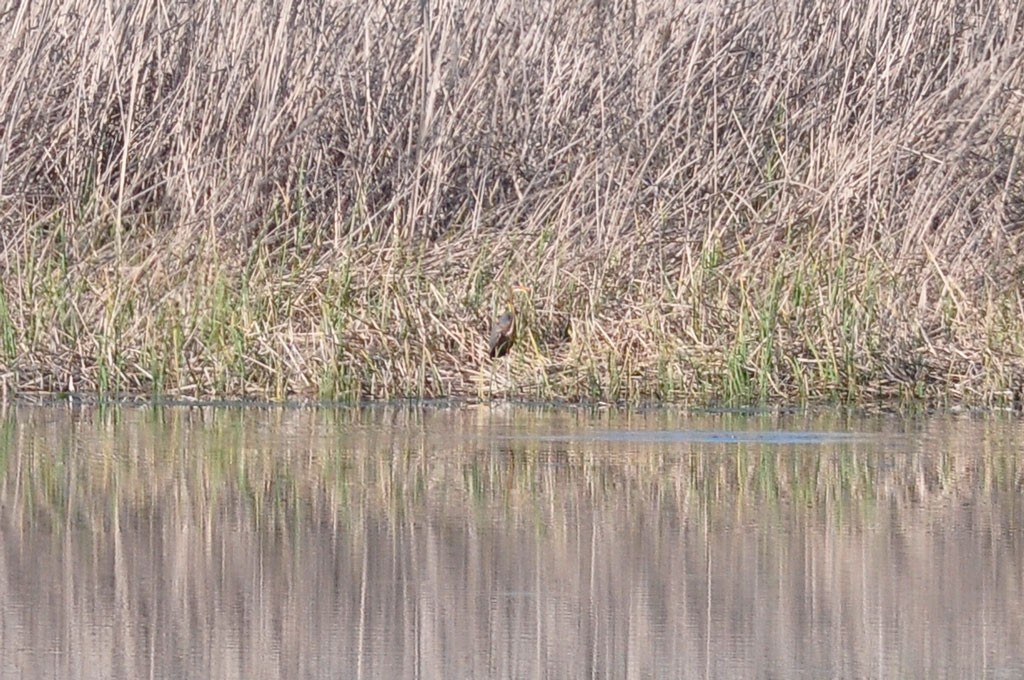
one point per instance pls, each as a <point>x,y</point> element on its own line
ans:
<point>508,543</point>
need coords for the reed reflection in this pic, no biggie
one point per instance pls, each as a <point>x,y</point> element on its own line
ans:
<point>467,543</point>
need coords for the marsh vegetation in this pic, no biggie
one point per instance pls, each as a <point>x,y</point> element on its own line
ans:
<point>712,202</point>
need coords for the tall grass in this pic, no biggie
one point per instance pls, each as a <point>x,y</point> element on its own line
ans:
<point>715,201</point>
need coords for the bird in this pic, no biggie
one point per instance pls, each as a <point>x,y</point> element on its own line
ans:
<point>504,330</point>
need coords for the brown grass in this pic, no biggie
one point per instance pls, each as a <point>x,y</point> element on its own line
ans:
<point>744,202</point>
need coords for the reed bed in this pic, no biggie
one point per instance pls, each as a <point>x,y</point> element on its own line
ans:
<point>712,202</point>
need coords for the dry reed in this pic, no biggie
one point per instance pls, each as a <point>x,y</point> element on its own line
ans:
<point>712,201</point>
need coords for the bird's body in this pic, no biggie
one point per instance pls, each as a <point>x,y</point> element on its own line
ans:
<point>503,335</point>
<point>505,329</point>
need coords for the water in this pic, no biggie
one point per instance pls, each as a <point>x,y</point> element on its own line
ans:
<point>507,543</point>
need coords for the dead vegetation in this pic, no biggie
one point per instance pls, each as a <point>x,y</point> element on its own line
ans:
<point>714,202</point>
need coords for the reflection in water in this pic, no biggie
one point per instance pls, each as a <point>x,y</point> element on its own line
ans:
<point>506,543</point>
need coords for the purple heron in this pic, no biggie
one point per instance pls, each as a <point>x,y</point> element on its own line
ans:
<point>504,330</point>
